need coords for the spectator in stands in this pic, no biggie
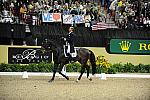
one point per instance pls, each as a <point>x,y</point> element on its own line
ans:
<point>113,8</point>
<point>23,11</point>
<point>11,9</point>
<point>56,6</point>
<point>146,22</point>
<point>66,10</point>
<point>5,13</point>
<point>87,18</point>
<point>84,10</point>
<point>138,7</point>
<point>74,11</point>
<point>30,5</point>
<point>131,14</point>
<point>121,10</point>
<point>6,17</point>
<point>101,14</point>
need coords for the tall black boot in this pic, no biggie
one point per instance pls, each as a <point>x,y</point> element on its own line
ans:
<point>70,58</point>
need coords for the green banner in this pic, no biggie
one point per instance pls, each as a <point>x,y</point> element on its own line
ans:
<point>129,46</point>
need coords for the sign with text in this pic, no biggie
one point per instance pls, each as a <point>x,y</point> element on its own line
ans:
<point>79,19</point>
<point>68,19</point>
<point>27,55</point>
<point>129,46</point>
<point>51,17</point>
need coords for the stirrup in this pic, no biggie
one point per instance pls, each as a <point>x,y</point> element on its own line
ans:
<point>71,61</point>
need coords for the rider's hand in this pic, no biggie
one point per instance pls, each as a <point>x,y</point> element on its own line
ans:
<point>64,38</point>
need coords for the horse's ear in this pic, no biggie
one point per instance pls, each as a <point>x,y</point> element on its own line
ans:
<point>46,40</point>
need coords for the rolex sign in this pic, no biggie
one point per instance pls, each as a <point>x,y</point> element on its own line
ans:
<point>27,55</point>
<point>129,46</point>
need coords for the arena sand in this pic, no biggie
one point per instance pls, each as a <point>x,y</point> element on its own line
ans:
<point>38,88</point>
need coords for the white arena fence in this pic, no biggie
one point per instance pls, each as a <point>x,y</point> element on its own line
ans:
<point>103,75</point>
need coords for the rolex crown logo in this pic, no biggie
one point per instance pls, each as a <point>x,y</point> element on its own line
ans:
<point>125,45</point>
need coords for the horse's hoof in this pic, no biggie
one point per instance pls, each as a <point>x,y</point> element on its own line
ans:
<point>67,78</point>
<point>90,79</point>
<point>50,81</point>
<point>77,81</point>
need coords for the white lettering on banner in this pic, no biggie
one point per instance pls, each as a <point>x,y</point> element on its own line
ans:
<point>68,19</point>
<point>29,55</point>
<point>51,17</point>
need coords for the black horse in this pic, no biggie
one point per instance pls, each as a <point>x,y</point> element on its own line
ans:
<point>83,55</point>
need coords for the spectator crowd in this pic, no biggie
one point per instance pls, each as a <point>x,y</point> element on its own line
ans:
<point>131,14</point>
<point>125,13</point>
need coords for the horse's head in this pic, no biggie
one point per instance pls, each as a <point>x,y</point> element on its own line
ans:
<point>48,45</point>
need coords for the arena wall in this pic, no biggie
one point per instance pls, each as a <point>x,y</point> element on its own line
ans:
<point>121,58</point>
<point>99,51</point>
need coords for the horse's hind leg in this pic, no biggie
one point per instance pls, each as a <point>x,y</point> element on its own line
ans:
<point>88,69</point>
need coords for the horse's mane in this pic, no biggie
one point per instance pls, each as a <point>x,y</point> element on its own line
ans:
<point>55,43</point>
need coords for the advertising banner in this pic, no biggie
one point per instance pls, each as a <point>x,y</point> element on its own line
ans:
<point>68,19</point>
<point>79,19</point>
<point>27,55</point>
<point>51,17</point>
<point>129,46</point>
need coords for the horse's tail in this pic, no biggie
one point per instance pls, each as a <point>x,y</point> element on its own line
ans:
<point>93,62</point>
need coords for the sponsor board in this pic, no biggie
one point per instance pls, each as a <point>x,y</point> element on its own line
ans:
<point>27,55</point>
<point>129,46</point>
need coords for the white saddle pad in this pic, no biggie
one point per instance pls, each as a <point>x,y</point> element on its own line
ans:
<point>74,54</point>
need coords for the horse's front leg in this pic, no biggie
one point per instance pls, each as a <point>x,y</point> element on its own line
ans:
<point>81,73</point>
<point>54,72</point>
<point>53,77</point>
<point>60,71</point>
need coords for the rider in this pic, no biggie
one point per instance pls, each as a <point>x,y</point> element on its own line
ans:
<point>69,38</point>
